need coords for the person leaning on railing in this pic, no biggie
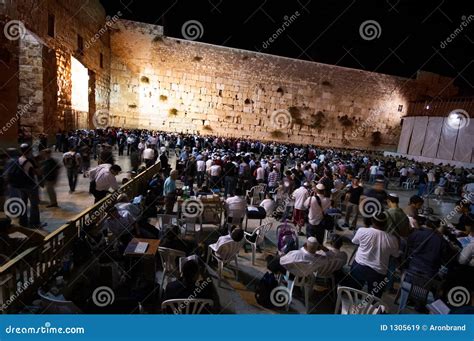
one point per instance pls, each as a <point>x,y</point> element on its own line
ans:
<point>102,179</point>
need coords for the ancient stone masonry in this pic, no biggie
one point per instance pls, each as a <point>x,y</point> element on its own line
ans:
<point>177,85</point>
<point>44,54</point>
<point>145,80</point>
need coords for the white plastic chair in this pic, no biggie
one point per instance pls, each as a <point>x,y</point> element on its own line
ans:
<point>186,306</point>
<point>258,237</point>
<point>225,254</point>
<point>169,261</point>
<point>303,278</point>
<point>57,306</point>
<point>256,194</point>
<point>351,301</point>
<point>409,184</point>
<point>326,273</point>
<point>193,225</point>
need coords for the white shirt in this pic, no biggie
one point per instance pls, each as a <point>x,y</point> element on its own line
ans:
<point>375,248</point>
<point>208,164</point>
<point>236,204</point>
<point>260,173</point>
<point>300,195</point>
<point>404,172</point>
<point>104,179</point>
<point>316,212</point>
<point>215,170</point>
<point>302,263</point>
<point>373,169</point>
<point>118,226</point>
<point>221,241</point>
<point>201,166</point>
<point>148,154</point>
<point>268,205</point>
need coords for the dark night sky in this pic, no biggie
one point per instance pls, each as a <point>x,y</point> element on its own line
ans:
<point>328,31</point>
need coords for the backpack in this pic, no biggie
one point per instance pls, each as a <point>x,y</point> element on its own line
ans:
<point>16,175</point>
<point>70,160</point>
<point>264,289</point>
<point>287,239</point>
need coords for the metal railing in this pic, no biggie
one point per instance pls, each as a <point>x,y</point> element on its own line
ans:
<point>22,275</point>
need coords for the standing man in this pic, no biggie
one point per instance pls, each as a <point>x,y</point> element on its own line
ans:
<point>22,178</point>
<point>169,191</point>
<point>316,205</point>
<point>72,163</point>
<point>50,171</point>
<point>149,156</point>
<point>353,199</point>
<point>300,195</point>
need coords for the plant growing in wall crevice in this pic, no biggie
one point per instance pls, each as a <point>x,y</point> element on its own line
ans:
<point>173,112</point>
<point>295,115</point>
<point>163,98</point>
<point>197,58</point>
<point>346,121</point>
<point>318,120</point>
<point>276,134</point>
<point>207,128</point>
<point>145,79</point>
<point>376,138</point>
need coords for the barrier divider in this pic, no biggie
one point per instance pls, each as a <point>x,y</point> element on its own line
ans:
<point>21,276</point>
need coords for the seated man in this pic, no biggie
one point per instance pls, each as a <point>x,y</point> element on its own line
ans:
<point>236,235</point>
<point>268,204</point>
<point>428,249</point>
<point>304,261</point>
<point>235,207</point>
<point>121,224</point>
<point>415,204</point>
<point>466,215</point>
<point>188,286</point>
<point>371,260</point>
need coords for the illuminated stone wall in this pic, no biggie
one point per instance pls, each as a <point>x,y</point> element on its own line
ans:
<point>178,85</point>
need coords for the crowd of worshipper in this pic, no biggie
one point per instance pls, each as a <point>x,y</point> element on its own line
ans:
<point>305,187</point>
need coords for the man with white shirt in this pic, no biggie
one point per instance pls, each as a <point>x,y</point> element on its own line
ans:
<point>376,246</point>
<point>149,156</point>
<point>373,173</point>
<point>403,175</point>
<point>316,205</point>
<point>306,260</point>
<point>215,173</point>
<point>201,170</point>
<point>235,207</point>
<point>102,179</point>
<point>260,174</point>
<point>300,195</point>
